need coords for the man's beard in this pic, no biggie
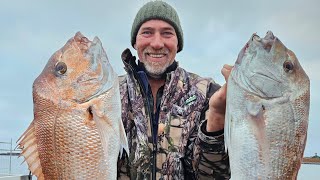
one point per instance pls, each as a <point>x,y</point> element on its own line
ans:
<point>156,69</point>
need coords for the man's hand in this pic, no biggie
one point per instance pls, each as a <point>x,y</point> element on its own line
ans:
<point>217,104</point>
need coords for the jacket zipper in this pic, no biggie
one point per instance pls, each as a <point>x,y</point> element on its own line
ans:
<point>154,143</point>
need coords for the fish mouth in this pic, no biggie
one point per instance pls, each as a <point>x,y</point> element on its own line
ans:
<point>98,75</point>
<point>256,69</point>
<point>77,72</point>
<point>87,81</point>
<point>86,47</point>
<point>82,42</point>
<point>265,85</point>
<point>255,40</point>
<point>265,42</point>
<point>260,84</point>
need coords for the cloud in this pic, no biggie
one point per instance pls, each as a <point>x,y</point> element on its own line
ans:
<point>214,32</point>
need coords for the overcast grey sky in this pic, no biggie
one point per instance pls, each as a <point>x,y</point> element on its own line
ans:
<point>214,32</point>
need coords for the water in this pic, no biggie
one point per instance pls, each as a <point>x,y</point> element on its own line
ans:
<point>307,171</point>
<point>16,167</point>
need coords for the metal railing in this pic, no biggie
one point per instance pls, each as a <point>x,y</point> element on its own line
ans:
<point>10,164</point>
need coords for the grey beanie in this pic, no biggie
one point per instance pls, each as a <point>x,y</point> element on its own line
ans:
<point>157,10</point>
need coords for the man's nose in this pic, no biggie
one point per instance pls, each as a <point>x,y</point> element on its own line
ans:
<point>157,41</point>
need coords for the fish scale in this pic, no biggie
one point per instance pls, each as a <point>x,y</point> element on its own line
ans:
<point>58,135</point>
<point>267,111</point>
<point>77,131</point>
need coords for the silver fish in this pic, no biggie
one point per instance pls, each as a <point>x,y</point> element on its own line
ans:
<point>267,111</point>
<point>77,131</point>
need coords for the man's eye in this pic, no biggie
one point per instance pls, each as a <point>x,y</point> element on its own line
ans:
<point>167,33</point>
<point>146,32</point>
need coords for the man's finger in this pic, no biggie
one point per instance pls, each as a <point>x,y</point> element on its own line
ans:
<point>226,70</point>
<point>227,66</point>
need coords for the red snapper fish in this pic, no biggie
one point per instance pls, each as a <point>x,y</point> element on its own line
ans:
<point>77,131</point>
<point>267,111</point>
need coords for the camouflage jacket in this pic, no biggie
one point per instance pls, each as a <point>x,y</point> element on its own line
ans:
<point>181,149</point>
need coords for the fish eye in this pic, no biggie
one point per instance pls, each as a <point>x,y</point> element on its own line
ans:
<point>288,66</point>
<point>61,68</point>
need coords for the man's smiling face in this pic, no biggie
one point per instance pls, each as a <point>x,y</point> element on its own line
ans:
<point>157,45</point>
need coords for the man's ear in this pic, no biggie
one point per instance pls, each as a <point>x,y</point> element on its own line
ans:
<point>135,46</point>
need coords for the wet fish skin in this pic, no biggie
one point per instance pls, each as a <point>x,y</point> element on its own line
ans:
<point>77,131</point>
<point>268,99</point>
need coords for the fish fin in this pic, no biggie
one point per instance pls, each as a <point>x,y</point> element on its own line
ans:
<point>123,139</point>
<point>106,113</point>
<point>257,122</point>
<point>227,129</point>
<point>103,125</point>
<point>109,140</point>
<point>28,143</point>
<point>227,132</point>
<point>254,108</point>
